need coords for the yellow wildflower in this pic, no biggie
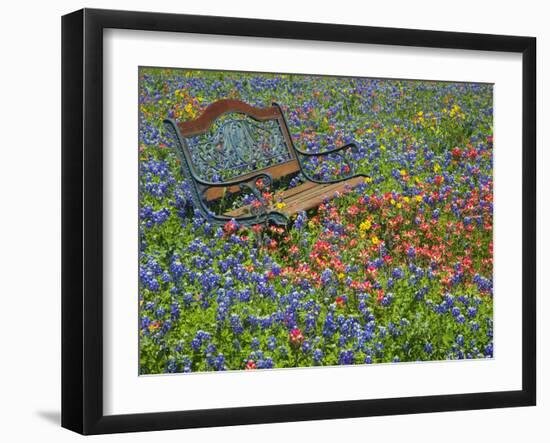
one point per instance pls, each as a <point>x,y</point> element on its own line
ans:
<point>280,205</point>
<point>455,110</point>
<point>365,226</point>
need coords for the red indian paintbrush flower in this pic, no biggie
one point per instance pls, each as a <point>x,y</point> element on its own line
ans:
<point>296,337</point>
<point>230,227</point>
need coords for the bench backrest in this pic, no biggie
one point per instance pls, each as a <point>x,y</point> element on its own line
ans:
<point>232,139</point>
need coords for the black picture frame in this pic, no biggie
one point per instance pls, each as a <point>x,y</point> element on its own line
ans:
<point>82,215</point>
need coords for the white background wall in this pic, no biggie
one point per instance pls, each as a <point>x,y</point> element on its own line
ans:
<point>30,219</point>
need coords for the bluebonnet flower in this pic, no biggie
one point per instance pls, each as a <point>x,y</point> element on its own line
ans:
<point>306,346</point>
<point>428,348</point>
<point>187,299</point>
<point>329,327</point>
<point>266,363</point>
<point>301,220</point>
<point>317,356</point>
<point>186,364</point>
<point>219,362</point>
<point>419,295</point>
<point>176,267</point>
<point>160,216</point>
<point>387,299</point>
<point>483,284</point>
<point>171,366</point>
<point>346,357</point>
<point>201,337</point>
<point>160,311</point>
<point>397,273</point>
<point>144,324</point>
<point>449,299</point>
<point>271,343</point>
<point>326,276</point>
<point>310,322</point>
<point>174,311</point>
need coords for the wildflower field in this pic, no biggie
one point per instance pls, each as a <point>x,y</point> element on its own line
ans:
<point>397,269</point>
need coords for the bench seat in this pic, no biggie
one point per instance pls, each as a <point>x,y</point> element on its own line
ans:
<point>304,197</point>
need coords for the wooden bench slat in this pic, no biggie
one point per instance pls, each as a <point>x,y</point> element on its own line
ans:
<point>310,201</point>
<point>317,195</point>
<point>284,195</point>
<point>304,197</point>
<point>317,190</point>
<point>214,110</point>
<point>297,190</point>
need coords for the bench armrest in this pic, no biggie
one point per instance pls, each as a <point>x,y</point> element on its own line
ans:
<point>300,154</point>
<point>341,151</point>
<point>327,152</point>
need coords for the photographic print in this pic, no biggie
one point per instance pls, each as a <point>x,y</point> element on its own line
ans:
<point>292,220</point>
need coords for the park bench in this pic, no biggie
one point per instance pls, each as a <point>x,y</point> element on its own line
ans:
<point>233,147</point>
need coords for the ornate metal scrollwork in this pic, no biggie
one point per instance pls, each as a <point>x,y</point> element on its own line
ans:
<point>236,145</point>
